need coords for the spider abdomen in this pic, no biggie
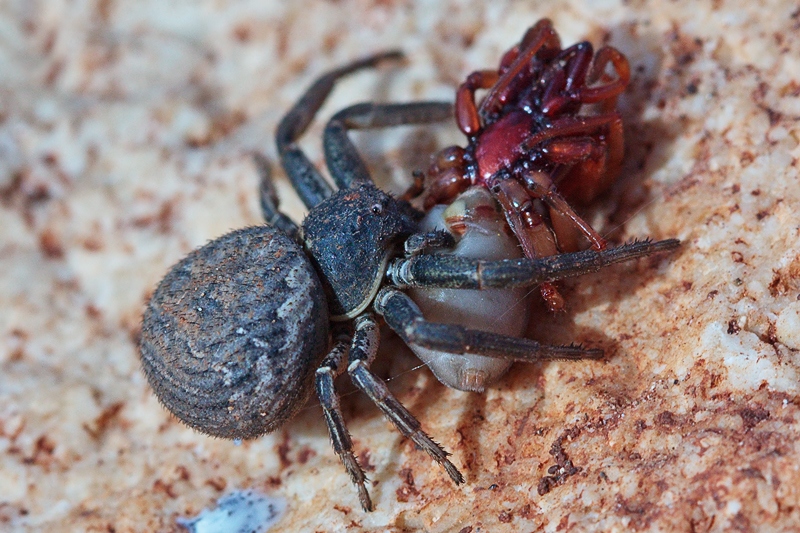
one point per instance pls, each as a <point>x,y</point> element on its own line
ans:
<point>475,220</point>
<point>233,333</point>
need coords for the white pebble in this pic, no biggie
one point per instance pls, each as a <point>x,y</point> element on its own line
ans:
<point>787,327</point>
<point>244,511</point>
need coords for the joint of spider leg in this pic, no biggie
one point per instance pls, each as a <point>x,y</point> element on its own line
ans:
<point>425,242</point>
<point>398,275</point>
<point>365,341</point>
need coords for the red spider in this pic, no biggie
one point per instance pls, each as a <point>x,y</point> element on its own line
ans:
<point>532,143</point>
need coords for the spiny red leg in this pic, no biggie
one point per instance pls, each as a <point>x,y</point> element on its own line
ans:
<point>540,185</point>
<point>541,35</point>
<point>531,231</point>
<point>466,111</point>
<point>589,95</point>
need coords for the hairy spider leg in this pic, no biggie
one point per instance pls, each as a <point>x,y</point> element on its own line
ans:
<point>405,318</point>
<point>307,181</point>
<point>333,366</point>
<point>343,160</point>
<point>447,271</point>
<point>269,199</point>
<point>362,354</point>
<point>453,272</point>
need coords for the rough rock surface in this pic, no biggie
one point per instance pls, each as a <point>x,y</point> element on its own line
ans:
<point>125,138</point>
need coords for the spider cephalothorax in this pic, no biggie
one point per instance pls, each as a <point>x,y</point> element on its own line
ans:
<point>544,136</point>
<point>242,330</point>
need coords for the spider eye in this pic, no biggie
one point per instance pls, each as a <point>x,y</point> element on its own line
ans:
<point>376,209</point>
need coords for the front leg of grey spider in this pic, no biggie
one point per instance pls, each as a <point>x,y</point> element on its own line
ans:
<point>452,272</point>
<point>307,181</point>
<point>341,156</point>
<point>470,359</point>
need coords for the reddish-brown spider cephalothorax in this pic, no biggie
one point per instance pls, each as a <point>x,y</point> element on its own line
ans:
<point>546,135</point>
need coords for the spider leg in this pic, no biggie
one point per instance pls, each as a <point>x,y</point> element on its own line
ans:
<point>341,156</point>
<point>541,35</point>
<point>610,90</point>
<point>540,185</point>
<point>453,272</point>
<point>427,242</point>
<point>534,236</point>
<point>306,179</point>
<point>269,198</point>
<point>566,73</point>
<point>466,110</point>
<point>405,318</point>
<point>362,353</point>
<point>570,127</point>
<point>330,368</point>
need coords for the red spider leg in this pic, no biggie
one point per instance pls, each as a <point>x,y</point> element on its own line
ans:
<point>569,127</point>
<point>540,185</point>
<point>590,95</point>
<point>561,89</point>
<point>584,181</point>
<point>447,177</point>
<point>531,231</point>
<point>508,59</point>
<point>466,113</point>
<point>416,188</point>
<point>541,35</point>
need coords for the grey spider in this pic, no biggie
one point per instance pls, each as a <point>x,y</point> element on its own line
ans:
<point>239,332</point>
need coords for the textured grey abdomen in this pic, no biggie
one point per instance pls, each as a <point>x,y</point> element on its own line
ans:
<point>233,334</point>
